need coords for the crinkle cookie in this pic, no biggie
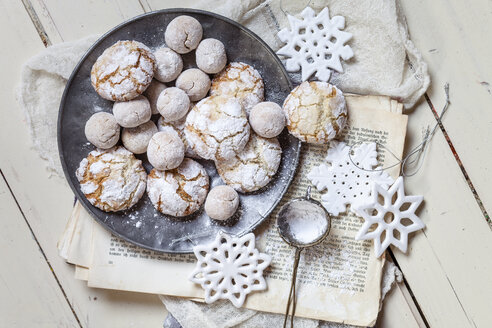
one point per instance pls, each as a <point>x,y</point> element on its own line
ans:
<point>166,150</point>
<point>217,128</point>
<point>267,119</point>
<point>211,56</point>
<point>102,130</point>
<point>169,64</point>
<point>123,71</point>
<point>173,104</point>
<point>242,81</point>
<point>315,111</point>
<point>112,180</point>
<point>183,34</point>
<point>178,192</point>
<point>221,203</point>
<point>152,93</point>
<point>137,139</point>
<point>132,113</point>
<point>254,167</point>
<point>179,127</point>
<point>194,82</point>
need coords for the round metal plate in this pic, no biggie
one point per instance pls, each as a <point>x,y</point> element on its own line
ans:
<point>142,224</point>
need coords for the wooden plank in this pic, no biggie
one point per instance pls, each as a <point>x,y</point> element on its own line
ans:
<point>451,35</point>
<point>26,281</point>
<point>398,311</point>
<point>46,201</point>
<point>448,264</point>
<point>70,20</point>
<point>441,286</point>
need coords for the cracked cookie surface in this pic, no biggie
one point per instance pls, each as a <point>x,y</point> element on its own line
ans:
<point>179,127</point>
<point>178,192</point>
<point>217,128</point>
<point>254,167</point>
<point>315,111</point>
<point>123,71</point>
<point>112,180</point>
<point>242,81</point>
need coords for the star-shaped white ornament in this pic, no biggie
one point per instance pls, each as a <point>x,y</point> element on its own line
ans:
<point>230,268</point>
<point>345,182</point>
<point>315,44</point>
<point>390,215</point>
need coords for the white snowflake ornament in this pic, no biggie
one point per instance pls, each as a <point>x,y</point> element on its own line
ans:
<point>394,218</point>
<point>345,182</point>
<point>230,268</point>
<point>315,44</point>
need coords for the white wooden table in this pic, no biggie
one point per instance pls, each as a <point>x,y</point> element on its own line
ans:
<point>448,269</point>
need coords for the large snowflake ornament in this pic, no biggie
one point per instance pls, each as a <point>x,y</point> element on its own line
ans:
<point>230,268</point>
<point>393,215</point>
<point>345,182</point>
<point>315,44</point>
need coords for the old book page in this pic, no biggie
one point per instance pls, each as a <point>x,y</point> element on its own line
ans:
<point>338,280</point>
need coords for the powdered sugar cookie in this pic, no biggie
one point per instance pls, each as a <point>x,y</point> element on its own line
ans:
<point>194,82</point>
<point>183,34</point>
<point>221,203</point>
<point>165,150</point>
<point>152,93</point>
<point>102,130</point>
<point>173,104</point>
<point>179,127</point>
<point>132,113</point>
<point>112,180</point>
<point>267,119</point>
<point>242,81</point>
<point>254,167</point>
<point>315,112</point>
<point>123,71</point>
<point>169,64</point>
<point>137,139</point>
<point>217,128</point>
<point>211,56</point>
<point>178,192</point>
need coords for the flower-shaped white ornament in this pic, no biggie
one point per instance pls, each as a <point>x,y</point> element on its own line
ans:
<point>315,44</point>
<point>230,268</point>
<point>393,213</point>
<point>345,182</point>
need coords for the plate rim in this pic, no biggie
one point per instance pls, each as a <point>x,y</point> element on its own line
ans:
<point>85,203</point>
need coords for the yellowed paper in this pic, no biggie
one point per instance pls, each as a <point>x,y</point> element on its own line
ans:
<point>66,238</point>
<point>81,273</point>
<point>80,249</point>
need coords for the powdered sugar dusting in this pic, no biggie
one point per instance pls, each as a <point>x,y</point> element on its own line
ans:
<point>217,128</point>
<point>123,71</point>
<point>254,167</point>
<point>112,180</point>
<point>178,192</point>
<point>242,81</point>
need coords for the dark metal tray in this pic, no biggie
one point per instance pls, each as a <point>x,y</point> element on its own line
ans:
<point>142,224</point>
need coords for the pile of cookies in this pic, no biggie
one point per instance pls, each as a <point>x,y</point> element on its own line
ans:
<point>224,120</point>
